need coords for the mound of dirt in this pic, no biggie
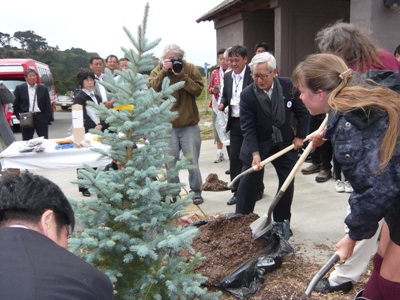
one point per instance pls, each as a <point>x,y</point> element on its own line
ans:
<point>227,243</point>
<point>227,252</point>
<point>214,184</point>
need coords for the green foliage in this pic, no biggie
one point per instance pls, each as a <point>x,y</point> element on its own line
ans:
<point>63,64</point>
<point>129,231</point>
<point>30,40</point>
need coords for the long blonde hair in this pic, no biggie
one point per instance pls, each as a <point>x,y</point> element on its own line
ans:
<point>346,92</point>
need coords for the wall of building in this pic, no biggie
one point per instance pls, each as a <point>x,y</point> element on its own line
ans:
<point>297,22</point>
<point>258,27</point>
<point>246,29</point>
<point>375,17</point>
<point>289,27</point>
<point>229,32</point>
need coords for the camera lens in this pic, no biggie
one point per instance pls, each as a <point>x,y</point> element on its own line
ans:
<point>177,65</point>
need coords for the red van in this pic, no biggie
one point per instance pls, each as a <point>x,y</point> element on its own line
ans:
<point>12,74</point>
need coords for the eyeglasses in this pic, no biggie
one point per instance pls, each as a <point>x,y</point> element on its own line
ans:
<point>262,76</point>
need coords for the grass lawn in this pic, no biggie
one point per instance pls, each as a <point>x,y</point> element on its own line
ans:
<point>205,116</point>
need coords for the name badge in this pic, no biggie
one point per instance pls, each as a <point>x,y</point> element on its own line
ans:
<point>235,100</point>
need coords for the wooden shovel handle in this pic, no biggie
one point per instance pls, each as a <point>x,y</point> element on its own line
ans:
<point>278,154</point>
<point>303,157</point>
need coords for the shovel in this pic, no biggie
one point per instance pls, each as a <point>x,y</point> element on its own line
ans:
<point>321,273</point>
<point>265,161</point>
<point>263,224</point>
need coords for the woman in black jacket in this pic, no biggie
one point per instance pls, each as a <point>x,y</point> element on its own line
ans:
<point>86,80</point>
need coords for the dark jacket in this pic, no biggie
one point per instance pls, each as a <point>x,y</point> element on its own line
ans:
<point>81,99</point>
<point>356,141</point>
<point>32,266</point>
<point>227,92</point>
<point>6,97</point>
<point>21,102</point>
<point>256,124</point>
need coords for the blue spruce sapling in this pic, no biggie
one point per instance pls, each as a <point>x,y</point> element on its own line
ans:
<point>128,229</point>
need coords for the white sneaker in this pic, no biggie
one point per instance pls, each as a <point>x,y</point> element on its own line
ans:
<point>219,158</point>
<point>347,187</point>
<point>339,186</point>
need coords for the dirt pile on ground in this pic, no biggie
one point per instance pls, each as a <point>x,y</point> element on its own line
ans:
<point>227,243</point>
<point>214,184</point>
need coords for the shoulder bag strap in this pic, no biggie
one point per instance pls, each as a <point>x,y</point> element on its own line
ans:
<point>34,99</point>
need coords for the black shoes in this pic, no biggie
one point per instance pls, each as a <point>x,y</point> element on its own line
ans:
<point>197,199</point>
<point>232,201</point>
<point>86,193</point>
<point>227,172</point>
<point>323,286</point>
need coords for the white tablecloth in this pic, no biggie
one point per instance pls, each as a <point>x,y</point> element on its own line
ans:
<point>51,158</point>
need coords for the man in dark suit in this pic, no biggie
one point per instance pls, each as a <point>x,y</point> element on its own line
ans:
<point>96,64</point>
<point>34,263</point>
<point>266,112</point>
<point>33,97</point>
<point>234,82</point>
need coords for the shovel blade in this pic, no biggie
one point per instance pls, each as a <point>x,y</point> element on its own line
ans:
<point>259,226</point>
<point>261,232</point>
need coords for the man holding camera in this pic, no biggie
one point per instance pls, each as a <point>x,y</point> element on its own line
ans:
<point>185,134</point>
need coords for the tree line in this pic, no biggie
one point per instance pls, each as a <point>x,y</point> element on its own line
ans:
<point>28,40</point>
<point>64,65</point>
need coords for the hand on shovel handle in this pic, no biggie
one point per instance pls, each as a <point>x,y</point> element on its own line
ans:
<point>260,226</point>
<point>262,164</point>
<point>276,155</point>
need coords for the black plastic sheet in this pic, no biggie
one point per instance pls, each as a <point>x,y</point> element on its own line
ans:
<point>249,277</point>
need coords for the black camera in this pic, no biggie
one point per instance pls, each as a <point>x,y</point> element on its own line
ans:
<point>177,64</point>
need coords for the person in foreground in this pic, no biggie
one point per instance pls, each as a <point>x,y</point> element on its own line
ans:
<point>364,128</point>
<point>359,51</point>
<point>266,110</point>
<point>35,217</point>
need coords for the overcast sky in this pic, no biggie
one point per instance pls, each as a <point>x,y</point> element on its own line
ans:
<point>97,26</point>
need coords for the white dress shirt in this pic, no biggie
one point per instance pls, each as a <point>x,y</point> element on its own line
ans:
<point>102,89</point>
<point>33,98</point>
<point>237,86</point>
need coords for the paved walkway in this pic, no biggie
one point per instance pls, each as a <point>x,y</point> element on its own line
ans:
<point>317,211</point>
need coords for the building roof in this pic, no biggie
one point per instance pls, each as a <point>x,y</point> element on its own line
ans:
<point>228,8</point>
